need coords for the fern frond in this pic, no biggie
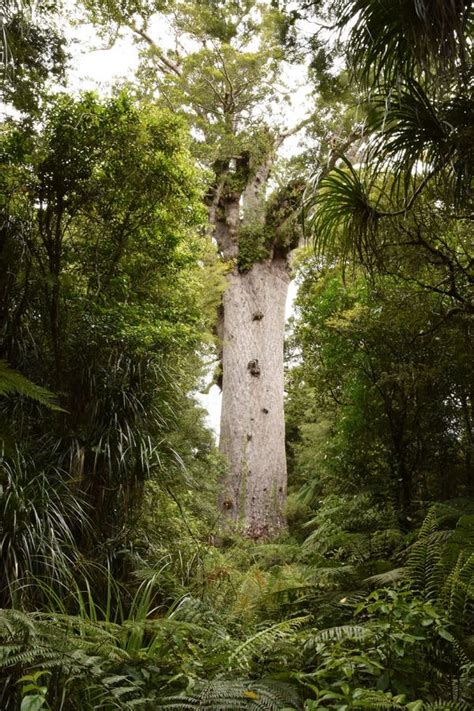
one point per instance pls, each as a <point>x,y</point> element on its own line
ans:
<point>14,383</point>
<point>262,642</point>
<point>457,592</point>
<point>234,695</point>
<point>341,633</point>
<point>83,654</point>
<point>389,577</point>
<point>370,699</point>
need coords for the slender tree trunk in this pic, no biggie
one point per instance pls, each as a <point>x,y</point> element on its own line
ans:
<point>252,419</point>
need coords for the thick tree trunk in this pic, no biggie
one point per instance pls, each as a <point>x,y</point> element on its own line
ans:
<point>252,419</point>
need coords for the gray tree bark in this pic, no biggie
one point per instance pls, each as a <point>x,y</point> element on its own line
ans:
<point>251,331</point>
<point>252,418</point>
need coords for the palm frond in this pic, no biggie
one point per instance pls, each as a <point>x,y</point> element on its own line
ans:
<point>341,214</point>
<point>416,137</point>
<point>415,142</point>
<point>397,38</point>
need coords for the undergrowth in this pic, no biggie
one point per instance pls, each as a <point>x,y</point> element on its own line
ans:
<point>260,626</point>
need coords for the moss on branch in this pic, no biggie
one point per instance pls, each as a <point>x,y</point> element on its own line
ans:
<point>254,246</point>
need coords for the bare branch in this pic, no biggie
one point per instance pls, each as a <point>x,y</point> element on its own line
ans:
<point>166,61</point>
<point>292,131</point>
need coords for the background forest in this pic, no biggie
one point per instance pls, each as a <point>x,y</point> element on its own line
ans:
<point>119,586</point>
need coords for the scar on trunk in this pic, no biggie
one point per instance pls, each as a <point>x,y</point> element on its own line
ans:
<point>257,316</point>
<point>254,367</point>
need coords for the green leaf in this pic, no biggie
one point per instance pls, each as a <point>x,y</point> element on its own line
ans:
<point>443,632</point>
<point>33,703</point>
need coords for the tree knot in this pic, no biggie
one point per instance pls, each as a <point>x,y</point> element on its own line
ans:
<point>254,367</point>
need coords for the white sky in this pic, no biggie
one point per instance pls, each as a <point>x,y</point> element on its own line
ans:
<point>93,67</point>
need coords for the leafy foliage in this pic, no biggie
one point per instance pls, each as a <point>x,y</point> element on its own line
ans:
<point>105,266</point>
<point>32,52</point>
<point>409,185</point>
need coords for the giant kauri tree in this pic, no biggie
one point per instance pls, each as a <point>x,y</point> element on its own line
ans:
<point>223,73</point>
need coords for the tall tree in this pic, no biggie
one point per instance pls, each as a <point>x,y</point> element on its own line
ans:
<point>223,73</point>
<point>101,300</point>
